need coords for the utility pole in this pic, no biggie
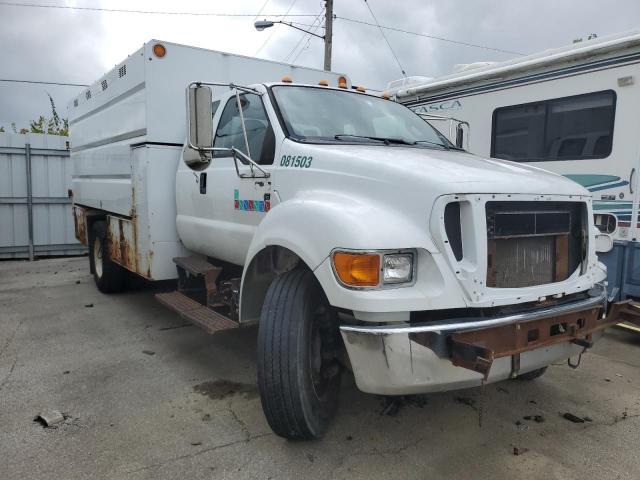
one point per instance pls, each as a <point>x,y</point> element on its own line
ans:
<point>328,33</point>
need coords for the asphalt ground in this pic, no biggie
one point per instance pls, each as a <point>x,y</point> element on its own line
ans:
<point>147,396</point>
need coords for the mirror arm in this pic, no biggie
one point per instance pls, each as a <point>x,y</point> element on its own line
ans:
<point>244,129</point>
<point>247,160</point>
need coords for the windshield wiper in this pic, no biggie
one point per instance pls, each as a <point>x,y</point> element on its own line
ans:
<point>385,140</point>
<point>444,146</point>
<point>342,136</point>
<point>396,141</point>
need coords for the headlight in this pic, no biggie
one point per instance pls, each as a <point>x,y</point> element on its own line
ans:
<point>397,268</point>
<point>373,269</point>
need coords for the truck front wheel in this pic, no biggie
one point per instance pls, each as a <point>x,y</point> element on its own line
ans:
<point>109,276</point>
<point>298,349</point>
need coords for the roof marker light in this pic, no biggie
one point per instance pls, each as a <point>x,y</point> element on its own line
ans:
<point>159,50</point>
<point>286,79</point>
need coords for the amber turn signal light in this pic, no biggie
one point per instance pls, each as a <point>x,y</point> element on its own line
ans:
<point>159,50</point>
<point>357,269</point>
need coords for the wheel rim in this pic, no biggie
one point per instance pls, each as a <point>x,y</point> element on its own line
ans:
<point>322,362</point>
<point>97,257</point>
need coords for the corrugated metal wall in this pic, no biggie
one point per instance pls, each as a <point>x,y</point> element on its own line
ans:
<point>35,207</point>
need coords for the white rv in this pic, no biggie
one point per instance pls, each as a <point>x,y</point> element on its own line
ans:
<point>572,111</point>
<point>350,230</point>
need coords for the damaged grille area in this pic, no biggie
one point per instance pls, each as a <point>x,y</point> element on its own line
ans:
<point>534,243</point>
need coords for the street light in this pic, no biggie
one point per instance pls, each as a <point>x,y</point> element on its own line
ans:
<point>327,37</point>
<point>262,24</point>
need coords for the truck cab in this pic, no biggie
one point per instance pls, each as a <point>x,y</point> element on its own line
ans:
<point>358,238</point>
<point>425,255</point>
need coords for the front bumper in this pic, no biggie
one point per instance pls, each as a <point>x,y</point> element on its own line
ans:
<point>418,358</point>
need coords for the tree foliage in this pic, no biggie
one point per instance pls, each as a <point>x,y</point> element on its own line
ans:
<point>53,125</point>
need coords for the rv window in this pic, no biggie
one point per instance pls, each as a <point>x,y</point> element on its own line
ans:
<point>569,128</point>
<point>259,132</point>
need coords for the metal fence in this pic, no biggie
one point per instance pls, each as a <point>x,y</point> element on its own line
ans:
<point>35,202</point>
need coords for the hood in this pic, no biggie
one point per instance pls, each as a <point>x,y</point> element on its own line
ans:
<point>447,171</point>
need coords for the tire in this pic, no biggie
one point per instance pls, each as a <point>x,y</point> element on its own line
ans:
<point>298,349</point>
<point>532,375</point>
<point>109,276</point>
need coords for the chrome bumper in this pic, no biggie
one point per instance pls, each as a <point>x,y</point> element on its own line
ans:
<point>598,298</point>
<point>419,358</point>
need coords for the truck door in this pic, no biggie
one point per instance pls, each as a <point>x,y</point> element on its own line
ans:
<point>226,207</point>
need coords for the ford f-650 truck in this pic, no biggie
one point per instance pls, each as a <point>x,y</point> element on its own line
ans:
<point>354,234</point>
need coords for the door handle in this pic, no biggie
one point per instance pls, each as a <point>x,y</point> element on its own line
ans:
<point>631,175</point>
<point>203,183</point>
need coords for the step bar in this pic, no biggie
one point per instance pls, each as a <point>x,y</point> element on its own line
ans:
<point>196,313</point>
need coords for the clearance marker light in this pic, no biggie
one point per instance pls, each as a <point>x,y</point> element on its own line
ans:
<point>159,50</point>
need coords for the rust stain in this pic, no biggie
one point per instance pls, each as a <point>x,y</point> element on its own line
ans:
<point>121,249</point>
<point>80,225</point>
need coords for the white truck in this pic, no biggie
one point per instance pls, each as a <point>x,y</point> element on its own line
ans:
<point>331,218</point>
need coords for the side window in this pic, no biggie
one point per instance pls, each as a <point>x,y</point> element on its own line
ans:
<point>569,128</point>
<point>259,132</point>
<point>214,107</point>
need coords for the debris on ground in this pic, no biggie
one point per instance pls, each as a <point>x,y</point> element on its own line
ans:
<point>520,450</point>
<point>49,418</point>
<point>66,372</point>
<point>310,457</point>
<point>148,352</point>
<point>573,418</point>
<point>535,418</point>
<point>391,405</point>
<point>468,401</point>
<point>502,389</point>
<point>196,443</point>
<point>77,282</point>
<point>89,305</point>
<point>349,438</point>
<point>218,389</point>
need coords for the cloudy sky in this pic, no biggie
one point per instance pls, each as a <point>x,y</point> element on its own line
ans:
<point>75,46</point>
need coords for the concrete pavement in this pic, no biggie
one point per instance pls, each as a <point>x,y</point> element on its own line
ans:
<point>148,396</point>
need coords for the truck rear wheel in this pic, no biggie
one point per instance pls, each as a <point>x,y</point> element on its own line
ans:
<point>298,347</point>
<point>109,276</point>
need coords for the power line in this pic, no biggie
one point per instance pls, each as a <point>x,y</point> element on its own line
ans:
<point>260,11</point>
<point>385,38</point>
<point>315,28</point>
<point>42,83</point>
<point>275,29</point>
<point>429,36</point>
<point>146,12</point>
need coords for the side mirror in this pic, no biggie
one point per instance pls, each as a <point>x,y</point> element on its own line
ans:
<point>459,136</point>
<point>200,116</point>
<point>604,243</point>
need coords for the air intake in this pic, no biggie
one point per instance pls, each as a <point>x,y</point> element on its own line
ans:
<point>452,228</point>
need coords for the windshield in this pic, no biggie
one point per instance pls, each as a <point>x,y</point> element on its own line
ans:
<point>321,114</point>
